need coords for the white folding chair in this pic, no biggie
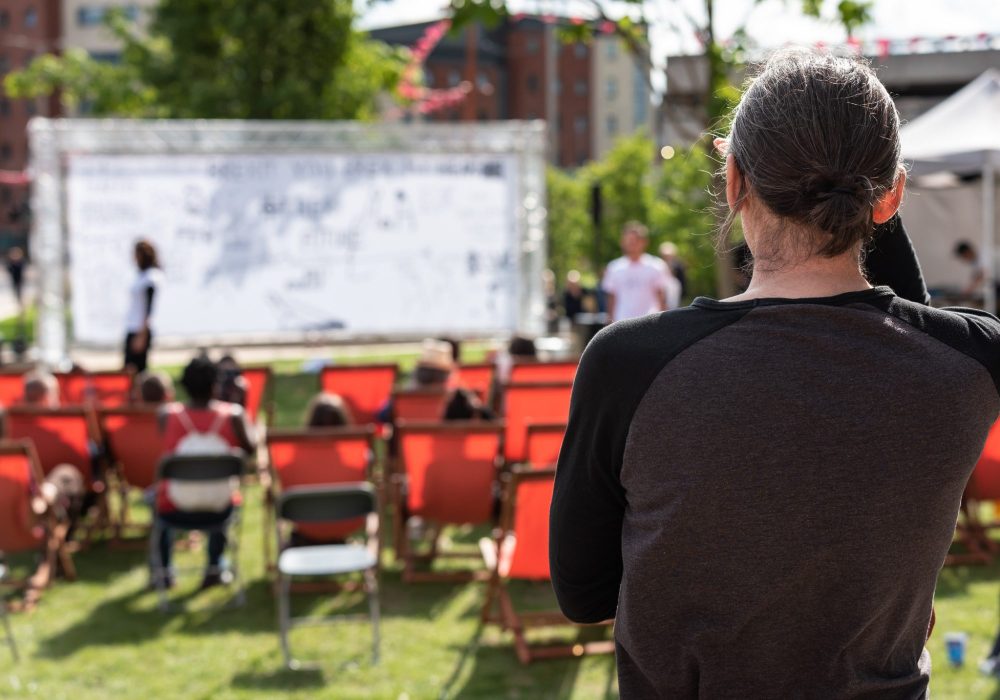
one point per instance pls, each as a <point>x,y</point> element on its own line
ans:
<point>6,622</point>
<point>193,468</point>
<point>327,504</point>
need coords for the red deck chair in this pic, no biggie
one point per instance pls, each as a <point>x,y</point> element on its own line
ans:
<point>11,388</point>
<point>525,372</point>
<point>521,551</point>
<point>984,485</point>
<point>477,378</point>
<point>312,458</point>
<point>365,388</point>
<point>109,389</point>
<point>135,444</point>
<point>542,444</point>
<point>258,396</point>
<point>419,405</point>
<point>19,531</point>
<point>532,403</point>
<point>447,478</point>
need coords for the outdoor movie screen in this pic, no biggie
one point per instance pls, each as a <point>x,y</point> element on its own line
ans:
<point>279,245</point>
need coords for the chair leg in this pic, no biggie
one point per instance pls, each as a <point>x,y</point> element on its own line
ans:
<point>157,571</point>
<point>371,583</point>
<point>8,631</point>
<point>284,622</point>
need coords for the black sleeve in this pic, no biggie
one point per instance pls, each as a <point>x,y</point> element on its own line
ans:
<point>589,501</point>
<point>892,261</point>
<point>150,292</point>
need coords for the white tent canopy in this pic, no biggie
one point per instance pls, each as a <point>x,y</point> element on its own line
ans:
<point>961,136</point>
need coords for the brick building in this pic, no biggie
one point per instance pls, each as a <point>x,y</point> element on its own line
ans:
<point>588,93</point>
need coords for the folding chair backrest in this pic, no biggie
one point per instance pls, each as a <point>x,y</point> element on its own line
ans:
<point>135,441</point>
<point>527,517</point>
<point>11,388</point>
<point>200,467</point>
<point>327,504</point>
<point>531,372</point>
<point>321,458</point>
<point>258,382</point>
<point>532,403</point>
<point>477,378</point>
<point>450,469</point>
<point>985,482</point>
<point>18,471</point>
<point>419,405</point>
<point>60,436</point>
<point>542,443</point>
<point>110,389</point>
<point>365,388</point>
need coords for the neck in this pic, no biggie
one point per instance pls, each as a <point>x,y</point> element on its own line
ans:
<point>812,277</point>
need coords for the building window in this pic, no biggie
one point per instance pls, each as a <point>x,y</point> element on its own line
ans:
<point>454,77</point>
<point>612,88</point>
<point>580,87</point>
<point>5,151</point>
<point>30,107</point>
<point>483,83</point>
<point>532,45</point>
<point>4,107</point>
<point>612,125</point>
<point>6,195</point>
<point>4,64</point>
<point>90,16</point>
<point>612,48</point>
<point>640,98</point>
<point>31,18</point>
<point>4,19</point>
<point>580,125</point>
<point>532,83</point>
<point>580,49</point>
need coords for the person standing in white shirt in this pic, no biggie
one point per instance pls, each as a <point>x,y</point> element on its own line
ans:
<point>636,283</point>
<point>138,318</point>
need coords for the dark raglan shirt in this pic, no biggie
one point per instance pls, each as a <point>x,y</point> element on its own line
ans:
<point>763,492</point>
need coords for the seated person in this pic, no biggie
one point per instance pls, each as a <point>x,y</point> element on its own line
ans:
<point>433,371</point>
<point>519,349</point>
<point>328,411</point>
<point>233,386</point>
<point>154,388</point>
<point>41,390</point>
<point>464,404</point>
<point>203,425</point>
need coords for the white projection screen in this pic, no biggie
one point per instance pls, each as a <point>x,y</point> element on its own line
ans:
<point>290,232</point>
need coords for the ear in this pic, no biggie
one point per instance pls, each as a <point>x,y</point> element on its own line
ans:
<point>886,207</point>
<point>734,182</point>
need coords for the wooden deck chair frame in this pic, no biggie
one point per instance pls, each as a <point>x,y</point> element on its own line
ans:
<point>984,485</point>
<point>54,549</point>
<point>394,368</point>
<point>99,517</point>
<point>272,486</point>
<point>201,468</point>
<point>118,468</point>
<point>64,379</point>
<point>498,607</point>
<point>5,619</point>
<point>398,488</point>
<point>328,503</point>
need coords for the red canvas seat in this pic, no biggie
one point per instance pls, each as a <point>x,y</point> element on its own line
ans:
<point>11,388</point>
<point>60,436</point>
<point>97,388</point>
<point>532,403</point>
<point>320,457</point>
<point>447,478</point>
<point>258,383</point>
<point>419,405</point>
<point>521,551</point>
<point>525,372</point>
<point>477,378</point>
<point>984,485</point>
<point>134,441</point>
<point>364,388</point>
<point>20,530</point>
<point>543,442</point>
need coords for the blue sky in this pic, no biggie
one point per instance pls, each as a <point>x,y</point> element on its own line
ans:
<point>771,22</point>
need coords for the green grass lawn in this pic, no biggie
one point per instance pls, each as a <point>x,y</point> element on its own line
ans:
<point>103,636</point>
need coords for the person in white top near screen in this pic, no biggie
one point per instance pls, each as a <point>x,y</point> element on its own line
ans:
<point>635,284</point>
<point>139,316</point>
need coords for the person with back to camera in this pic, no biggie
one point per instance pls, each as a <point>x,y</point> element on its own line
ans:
<point>762,490</point>
<point>327,410</point>
<point>200,426</point>
<point>139,315</point>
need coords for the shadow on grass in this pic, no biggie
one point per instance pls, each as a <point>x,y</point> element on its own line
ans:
<point>281,680</point>
<point>954,581</point>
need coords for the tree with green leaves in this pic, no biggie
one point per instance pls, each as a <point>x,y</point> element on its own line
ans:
<point>297,59</point>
